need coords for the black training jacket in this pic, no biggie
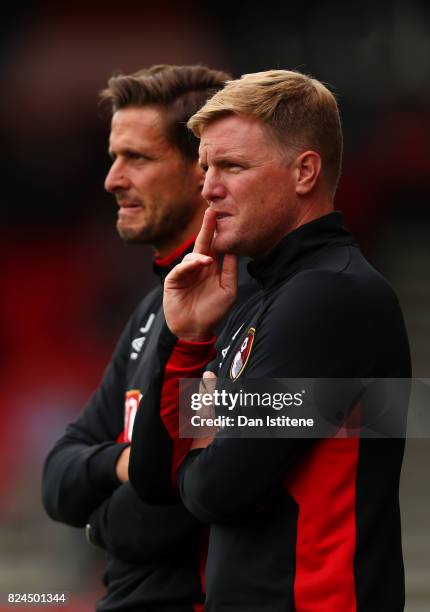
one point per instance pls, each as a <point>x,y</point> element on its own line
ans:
<point>298,525</point>
<point>153,552</point>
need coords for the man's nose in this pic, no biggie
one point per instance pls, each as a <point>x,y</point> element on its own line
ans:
<point>213,188</point>
<point>116,178</point>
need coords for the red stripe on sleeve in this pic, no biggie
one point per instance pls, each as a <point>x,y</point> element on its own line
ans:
<point>188,360</point>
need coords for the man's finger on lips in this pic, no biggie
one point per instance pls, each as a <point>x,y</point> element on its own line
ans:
<point>206,233</point>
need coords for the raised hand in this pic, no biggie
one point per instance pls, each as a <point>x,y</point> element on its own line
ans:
<point>197,294</point>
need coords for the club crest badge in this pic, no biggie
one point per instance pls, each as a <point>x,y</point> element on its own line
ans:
<point>242,356</point>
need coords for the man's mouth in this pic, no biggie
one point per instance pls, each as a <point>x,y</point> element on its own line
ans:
<point>129,207</point>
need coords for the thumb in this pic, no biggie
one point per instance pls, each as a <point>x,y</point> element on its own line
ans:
<point>209,374</point>
<point>228,279</point>
<point>209,381</point>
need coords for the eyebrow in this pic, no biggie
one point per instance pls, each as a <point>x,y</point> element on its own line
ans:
<point>225,158</point>
<point>129,150</point>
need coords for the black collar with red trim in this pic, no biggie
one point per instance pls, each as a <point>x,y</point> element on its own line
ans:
<point>163,265</point>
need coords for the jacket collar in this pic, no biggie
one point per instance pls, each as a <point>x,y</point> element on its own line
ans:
<point>298,247</point>
<point>163,265</point>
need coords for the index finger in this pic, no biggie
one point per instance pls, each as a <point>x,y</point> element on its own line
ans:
<point>206,233</point>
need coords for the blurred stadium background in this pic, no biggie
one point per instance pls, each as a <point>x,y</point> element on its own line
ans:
<point>69,284</point>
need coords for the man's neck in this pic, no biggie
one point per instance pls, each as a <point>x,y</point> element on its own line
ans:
<point>313,211</point>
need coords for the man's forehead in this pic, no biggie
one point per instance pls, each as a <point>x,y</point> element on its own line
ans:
<point>233,132</point>
<point>217,147</point>
<point>133,125</point>
<point>148,115</point>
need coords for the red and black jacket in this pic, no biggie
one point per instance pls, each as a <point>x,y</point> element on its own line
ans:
<point>153,551</point>
<point>299,525</point>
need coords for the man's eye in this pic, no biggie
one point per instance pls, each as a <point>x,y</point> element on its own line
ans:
<point>138,156</point>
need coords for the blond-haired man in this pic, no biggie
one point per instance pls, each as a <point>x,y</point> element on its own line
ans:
<point>296,524</point>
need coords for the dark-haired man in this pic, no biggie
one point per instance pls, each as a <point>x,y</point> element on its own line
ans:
<point>153,552</point>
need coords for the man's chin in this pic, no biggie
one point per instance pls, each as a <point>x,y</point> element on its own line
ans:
<point>226,244</point>
<point>133,235</point>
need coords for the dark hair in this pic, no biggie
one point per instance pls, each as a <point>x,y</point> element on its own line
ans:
<point>179,90</point>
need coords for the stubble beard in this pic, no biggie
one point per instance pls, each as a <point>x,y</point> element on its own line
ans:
<point>155,234</point>
<point>134,235</point>
<point>226,244</point>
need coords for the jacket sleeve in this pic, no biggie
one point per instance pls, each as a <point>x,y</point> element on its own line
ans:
<point>79,472</point>
<point>156,439</point>
<point>137,532</point>
<point>316,329</point>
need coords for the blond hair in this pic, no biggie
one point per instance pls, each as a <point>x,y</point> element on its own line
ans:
<point>298,110</point>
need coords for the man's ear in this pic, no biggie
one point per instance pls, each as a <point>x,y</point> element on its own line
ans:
<point>307,170</point>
